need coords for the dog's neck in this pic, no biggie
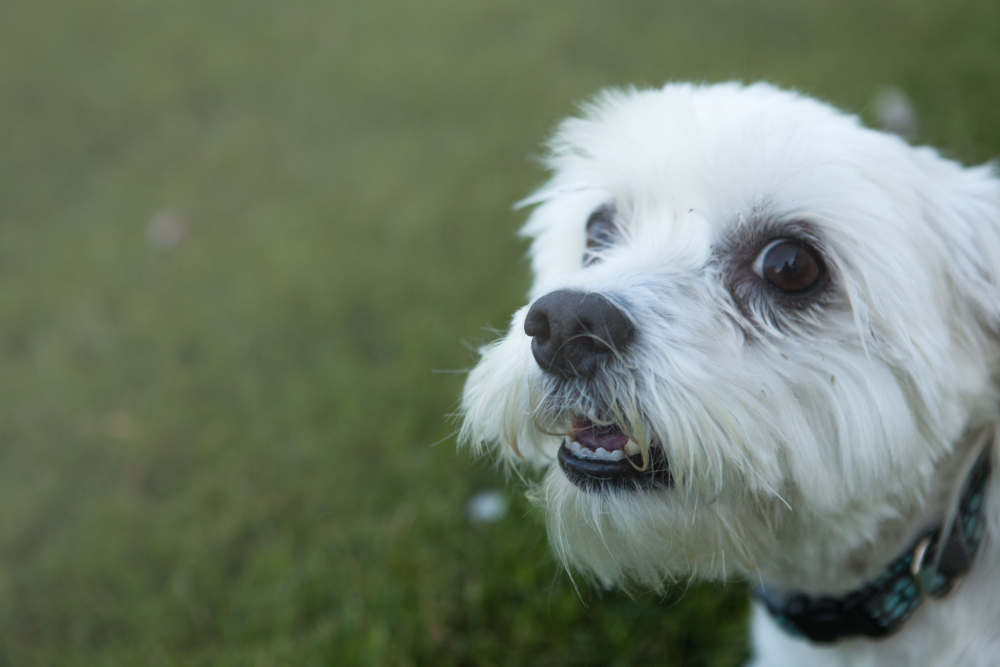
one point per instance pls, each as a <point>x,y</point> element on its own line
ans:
<point>929,568</point>
<point>837,562</point>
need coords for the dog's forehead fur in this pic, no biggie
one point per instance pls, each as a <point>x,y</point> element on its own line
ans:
<point>825,433</point>
<point>676,141</point>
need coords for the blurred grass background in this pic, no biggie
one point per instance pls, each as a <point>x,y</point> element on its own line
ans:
<point>237,239</point>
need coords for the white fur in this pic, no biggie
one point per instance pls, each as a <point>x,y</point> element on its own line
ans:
<point>810,446</point>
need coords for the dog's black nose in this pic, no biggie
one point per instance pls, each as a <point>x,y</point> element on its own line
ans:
<point>572,332</point>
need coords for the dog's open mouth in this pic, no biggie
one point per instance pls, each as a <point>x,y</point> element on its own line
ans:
<point>598,457</point>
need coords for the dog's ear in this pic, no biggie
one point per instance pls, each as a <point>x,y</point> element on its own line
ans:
<point>964,205</point>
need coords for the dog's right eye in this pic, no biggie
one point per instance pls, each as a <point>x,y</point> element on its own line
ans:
<point>601,234</point>
<point>789,265</point>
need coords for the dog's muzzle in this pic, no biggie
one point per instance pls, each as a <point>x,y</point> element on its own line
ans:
<point>575,334</point>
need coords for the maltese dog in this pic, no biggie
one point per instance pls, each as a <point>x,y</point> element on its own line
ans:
<point>762,341</point>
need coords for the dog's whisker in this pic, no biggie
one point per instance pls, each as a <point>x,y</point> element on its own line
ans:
<point>446,438</point>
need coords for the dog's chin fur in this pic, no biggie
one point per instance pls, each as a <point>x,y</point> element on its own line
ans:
<point>809,439</point>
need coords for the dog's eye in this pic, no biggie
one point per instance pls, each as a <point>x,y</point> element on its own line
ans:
<point>601,234</point>
<point>789,265</point>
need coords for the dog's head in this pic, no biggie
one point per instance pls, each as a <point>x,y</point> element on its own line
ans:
<point>756,329</point>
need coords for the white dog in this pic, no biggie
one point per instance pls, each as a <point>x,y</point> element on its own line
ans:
<point>763,341</point>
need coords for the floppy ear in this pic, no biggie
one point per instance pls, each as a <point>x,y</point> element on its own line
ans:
<point>966,217</point>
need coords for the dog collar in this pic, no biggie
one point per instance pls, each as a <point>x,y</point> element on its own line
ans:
<point>928,568</point>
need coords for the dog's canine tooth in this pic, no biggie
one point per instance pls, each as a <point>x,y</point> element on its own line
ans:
<point>632,448</point>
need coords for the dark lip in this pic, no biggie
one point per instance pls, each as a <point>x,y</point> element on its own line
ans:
<point>624,475</point>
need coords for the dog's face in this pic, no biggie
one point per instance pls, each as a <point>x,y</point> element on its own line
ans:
<point>755,331</point>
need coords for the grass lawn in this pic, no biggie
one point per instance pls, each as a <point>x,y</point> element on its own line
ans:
<point>239,242</point>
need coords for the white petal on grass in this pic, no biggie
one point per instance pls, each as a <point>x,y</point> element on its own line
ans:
<point>166,230</point>
<point>895,112</point>
<point>487,506</point>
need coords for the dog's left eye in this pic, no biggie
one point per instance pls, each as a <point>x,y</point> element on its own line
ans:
<point>789,265</point>
<point>601,234</point>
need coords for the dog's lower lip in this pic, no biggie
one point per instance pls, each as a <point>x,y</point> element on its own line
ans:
<point>608,470</point>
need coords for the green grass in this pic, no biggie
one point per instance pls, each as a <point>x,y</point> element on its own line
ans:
<point>222,453</point>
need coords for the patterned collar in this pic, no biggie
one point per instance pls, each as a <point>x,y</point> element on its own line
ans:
<point>929,567</point>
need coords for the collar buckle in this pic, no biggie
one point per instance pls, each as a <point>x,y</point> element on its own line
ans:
<point>929,580</point>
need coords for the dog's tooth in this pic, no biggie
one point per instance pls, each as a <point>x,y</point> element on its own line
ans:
<point>599,454</point>
<point>632,448</point>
